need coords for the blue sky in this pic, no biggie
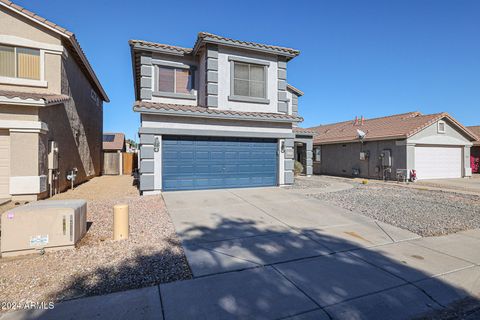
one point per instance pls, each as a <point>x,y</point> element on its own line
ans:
<point>368,57</point>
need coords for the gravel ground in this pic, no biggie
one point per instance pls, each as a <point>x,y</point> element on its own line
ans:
<point>153,254</point>
<point>427,213</point>
<point>303,182</point>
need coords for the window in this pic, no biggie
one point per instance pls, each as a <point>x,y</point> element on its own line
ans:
<point>18,62</point>
<point>108,137</point>
<point>174,80</point>
<point>318,154</point>
<point>441,127</point>
<point>249,80</point>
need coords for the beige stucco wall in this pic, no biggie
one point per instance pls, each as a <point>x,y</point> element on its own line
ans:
<point>17,26</point>
<point>76,126</point>
<point>24,154</point>
<point>13,112</point>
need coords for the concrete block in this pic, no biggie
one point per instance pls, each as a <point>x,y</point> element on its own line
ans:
<point>145,94</point>
<point>282,106</point>
<point>212,88</point>
<point>289,177</point>
<point>212,76</point>
<point>212,64</point>
<point>282,74</point>
<point>146,82</point>
<point>147,182</point>
<point>259,293</point>
<point>146,71</point>
<point>146,152</point>
<point>289,164</point>
<point>212,101</point>
<point>146,60</point>
<point>147,166</point>
<point>147,138</point>
<point>282,85</point>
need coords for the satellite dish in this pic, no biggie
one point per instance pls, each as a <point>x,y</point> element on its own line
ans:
<point>361,134</point>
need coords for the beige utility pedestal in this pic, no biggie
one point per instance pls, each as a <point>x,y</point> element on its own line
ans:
<point>120,222</point>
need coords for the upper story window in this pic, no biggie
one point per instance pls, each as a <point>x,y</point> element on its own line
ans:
<point>19,62</point>
<point>174,80</point>
<point>249,80</point>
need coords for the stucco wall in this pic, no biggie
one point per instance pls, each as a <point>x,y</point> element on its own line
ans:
<point>341,159</point>
<point>224,81</point>
<point>11,112</point>
<point>16,28</point>
<point>76,126</point>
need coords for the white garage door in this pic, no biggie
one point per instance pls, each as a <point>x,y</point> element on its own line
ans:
<point>438,162</point>
<point>4,163</point>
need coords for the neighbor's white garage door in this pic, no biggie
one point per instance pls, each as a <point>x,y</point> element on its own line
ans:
<point>438,162</point>
<point>4,164</point>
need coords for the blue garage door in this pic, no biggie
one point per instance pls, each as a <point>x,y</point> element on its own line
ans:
<point>191,163</point>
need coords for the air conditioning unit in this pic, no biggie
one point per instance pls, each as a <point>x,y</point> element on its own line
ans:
<point>43,225</point>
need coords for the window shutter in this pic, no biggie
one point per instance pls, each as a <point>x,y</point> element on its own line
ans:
<point>7,61</point>
<point>28,63</point>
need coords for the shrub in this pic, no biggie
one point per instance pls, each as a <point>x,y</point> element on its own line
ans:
<point>297,168</point>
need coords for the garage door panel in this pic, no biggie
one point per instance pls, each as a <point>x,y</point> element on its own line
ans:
<point>218,163</point>
<point>438,162</point>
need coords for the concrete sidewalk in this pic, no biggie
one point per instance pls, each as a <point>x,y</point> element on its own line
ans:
<point>273,254</point>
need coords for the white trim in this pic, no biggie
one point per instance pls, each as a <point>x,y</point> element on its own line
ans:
<point>28,184</point>
<point>24,126</point>
<point>444,126</point>
<point>26,82</point>
<point>23,42</point>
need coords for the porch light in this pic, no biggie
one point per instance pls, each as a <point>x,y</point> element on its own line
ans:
<point>156,145</point>
<point>282,147</point>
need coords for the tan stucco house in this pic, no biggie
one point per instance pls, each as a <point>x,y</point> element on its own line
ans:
<point>51,107</point>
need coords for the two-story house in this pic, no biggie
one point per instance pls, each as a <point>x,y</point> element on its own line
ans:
<point>51,107</point>
<point>218,115</point>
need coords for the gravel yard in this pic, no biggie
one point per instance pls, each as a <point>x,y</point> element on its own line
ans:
<point>303,182</point>
<point>99,265</point>
<point>424,212</point>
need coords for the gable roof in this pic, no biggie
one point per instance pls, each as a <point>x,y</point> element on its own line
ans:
<point>476,131</point>
<point>398,126</point>
<point>70,40</point>
<point>196,111</point>
<point>113,141</point>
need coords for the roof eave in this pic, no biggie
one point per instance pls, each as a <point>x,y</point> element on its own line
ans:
<point>210,115</point>
<point>141,47</point>
<point>401,137</point>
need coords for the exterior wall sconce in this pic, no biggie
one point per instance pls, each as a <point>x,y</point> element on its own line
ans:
<point>282,147</point>
<point>156,144</point>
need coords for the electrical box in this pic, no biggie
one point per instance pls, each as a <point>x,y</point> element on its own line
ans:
<point>43,225</point>
<point>386,158</point>
<point>364,155</point>
<point>52,155</point>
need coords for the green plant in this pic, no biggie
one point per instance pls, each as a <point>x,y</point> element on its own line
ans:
<point>297,168</point>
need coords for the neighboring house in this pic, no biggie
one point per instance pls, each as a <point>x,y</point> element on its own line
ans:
<point>435,145</point>
<point>218,115</point>
<point>51,103</point>
<point>475,151</point>
<point>113,146</point>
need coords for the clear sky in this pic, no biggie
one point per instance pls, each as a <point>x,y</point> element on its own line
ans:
<point>370,57</point>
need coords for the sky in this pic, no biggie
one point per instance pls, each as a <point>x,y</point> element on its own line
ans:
<point>370,57</point>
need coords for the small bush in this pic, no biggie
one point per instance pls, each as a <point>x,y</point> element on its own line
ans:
<point>297,168</point>
<point>364,181</point>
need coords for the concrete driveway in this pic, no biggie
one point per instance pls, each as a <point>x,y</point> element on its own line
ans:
<point>464,184</point>
<point>273,253</point>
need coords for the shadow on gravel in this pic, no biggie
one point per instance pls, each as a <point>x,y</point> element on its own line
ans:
<point>301,277</point>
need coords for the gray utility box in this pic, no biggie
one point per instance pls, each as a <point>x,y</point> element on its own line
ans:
<point>48,225</point>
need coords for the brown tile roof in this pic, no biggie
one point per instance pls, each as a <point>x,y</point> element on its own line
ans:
<point>117,143</point>
<point>213,112</point>
<point>399,126</point>
<point>476,131</point>
<point>304,131</point>
<point>160,46</point>
<point>72,42</point>
<point>46,98</point>
<point>206,36</point>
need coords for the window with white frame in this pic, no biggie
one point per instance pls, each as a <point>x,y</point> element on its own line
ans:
<point>441,126</point>
<point>174,80</point>
<point>19,62</point>
<point>249,80</point>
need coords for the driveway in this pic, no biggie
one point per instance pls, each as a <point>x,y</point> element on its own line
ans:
<point>464,184</point>
<point>274,253</point>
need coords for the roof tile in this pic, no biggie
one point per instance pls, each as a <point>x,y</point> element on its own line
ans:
<point>204,110</point>
<point>47,98</point>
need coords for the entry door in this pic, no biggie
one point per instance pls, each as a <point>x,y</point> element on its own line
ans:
<point>438,162</point>
<point>4,164</point>
<point>190,163</point>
